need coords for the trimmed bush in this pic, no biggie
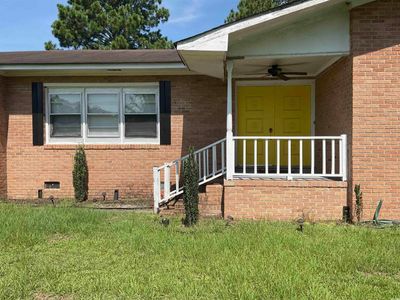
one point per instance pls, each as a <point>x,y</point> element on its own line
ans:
<point>359,202</point>
<point>190,189</point>
<point>80,175</point>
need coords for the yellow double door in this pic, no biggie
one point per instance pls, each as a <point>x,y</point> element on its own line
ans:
<point>274,111</point>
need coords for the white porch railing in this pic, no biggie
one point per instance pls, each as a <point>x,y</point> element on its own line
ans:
<point>286,157</point>
<point>211,161</point>
<point>290,157</point>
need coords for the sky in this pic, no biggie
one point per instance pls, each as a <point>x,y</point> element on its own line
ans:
<point>26,24</point>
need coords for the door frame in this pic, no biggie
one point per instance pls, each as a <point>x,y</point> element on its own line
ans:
<point>310,82</point>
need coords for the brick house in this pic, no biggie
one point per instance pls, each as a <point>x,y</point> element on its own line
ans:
<point>289,109</point>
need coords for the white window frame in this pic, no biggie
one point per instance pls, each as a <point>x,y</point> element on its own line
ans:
<point>61,91</point>
<point>140,90</point>
<point>84,90</point>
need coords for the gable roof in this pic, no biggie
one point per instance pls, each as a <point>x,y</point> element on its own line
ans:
<point>217,39</point>
<point>277,8</point>
<point>89,57</point>
<point>207,52</point>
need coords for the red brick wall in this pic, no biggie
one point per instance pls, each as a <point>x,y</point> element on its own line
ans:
<point>333,92</point>
<point>375,39</point>
<point>211,202</point>
<point>3,140</point>
<point>285,200</point>
<point>333,107</point>
<point>198,118</point>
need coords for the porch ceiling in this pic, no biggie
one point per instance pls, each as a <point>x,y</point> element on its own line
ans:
<point>258,67</point>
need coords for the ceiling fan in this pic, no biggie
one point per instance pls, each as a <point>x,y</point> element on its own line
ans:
<point>276,71</point>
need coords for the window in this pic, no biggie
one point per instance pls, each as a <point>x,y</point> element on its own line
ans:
<point>103,115</point>
<point>140,115</point>
<point>65,114</point>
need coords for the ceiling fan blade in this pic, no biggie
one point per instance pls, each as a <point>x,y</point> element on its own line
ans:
<point>283,77</point>
<point>294,73</point>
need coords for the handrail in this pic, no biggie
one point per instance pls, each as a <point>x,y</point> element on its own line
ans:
<point>211,163</point>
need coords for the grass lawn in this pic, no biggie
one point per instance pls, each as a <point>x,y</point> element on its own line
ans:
<point>75,253</point>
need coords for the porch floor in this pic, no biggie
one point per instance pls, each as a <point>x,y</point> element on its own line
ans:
<point>295,170</point>
<point>284,179</point>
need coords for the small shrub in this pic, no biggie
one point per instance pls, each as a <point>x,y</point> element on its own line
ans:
<point>190,189</point>
<point>80,175</point>
<point>359,202</point>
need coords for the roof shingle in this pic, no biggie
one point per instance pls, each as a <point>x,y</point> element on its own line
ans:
<point>90,57</point>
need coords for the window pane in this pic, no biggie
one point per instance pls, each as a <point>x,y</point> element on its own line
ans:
<point>103,103</point>
<point>103,125</point>
<point>65,126</point>
<point>141,126</point>
<point>140,103</point>
<point>65,104</point>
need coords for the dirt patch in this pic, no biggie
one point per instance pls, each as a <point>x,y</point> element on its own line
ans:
<point>380,274</point>
<point>58,237</point>
<point>45,296</point>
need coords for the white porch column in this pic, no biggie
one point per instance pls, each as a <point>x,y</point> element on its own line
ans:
<point>230,157</point>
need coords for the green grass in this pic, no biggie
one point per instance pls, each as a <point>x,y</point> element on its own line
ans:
<point>76,253</point>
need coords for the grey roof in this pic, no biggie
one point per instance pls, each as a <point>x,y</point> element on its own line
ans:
<point>90,57</point>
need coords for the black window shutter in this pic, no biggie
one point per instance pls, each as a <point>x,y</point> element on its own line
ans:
<point>37,113</point>
<point>165,112</point>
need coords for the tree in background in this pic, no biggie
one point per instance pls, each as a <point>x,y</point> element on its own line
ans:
<point>248,8</point>
<point>110,24</point>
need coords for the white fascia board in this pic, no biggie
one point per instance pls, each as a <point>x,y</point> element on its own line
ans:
<point>217,40</point>
<point>45,67</point>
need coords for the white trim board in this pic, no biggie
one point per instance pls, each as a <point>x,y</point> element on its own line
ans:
<point>101,85</point>
<point>135,66</point>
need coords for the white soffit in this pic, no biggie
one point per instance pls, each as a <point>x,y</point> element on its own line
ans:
<point>209,63</point>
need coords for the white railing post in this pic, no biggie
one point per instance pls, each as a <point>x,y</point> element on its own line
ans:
<point>278,156</point>
<point>214,160</point>
<point>167,181</point>
<point>266,157</point>
<point>301,157</point>
<point>230,147</point>
<point>244,156</point>
<point>312,156</point>
<point>223,152</point>
<point>177,176</point>
<point>344,157</point>
<point>156,189</point>
<point>255,156</point>
<point>324,157</point>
